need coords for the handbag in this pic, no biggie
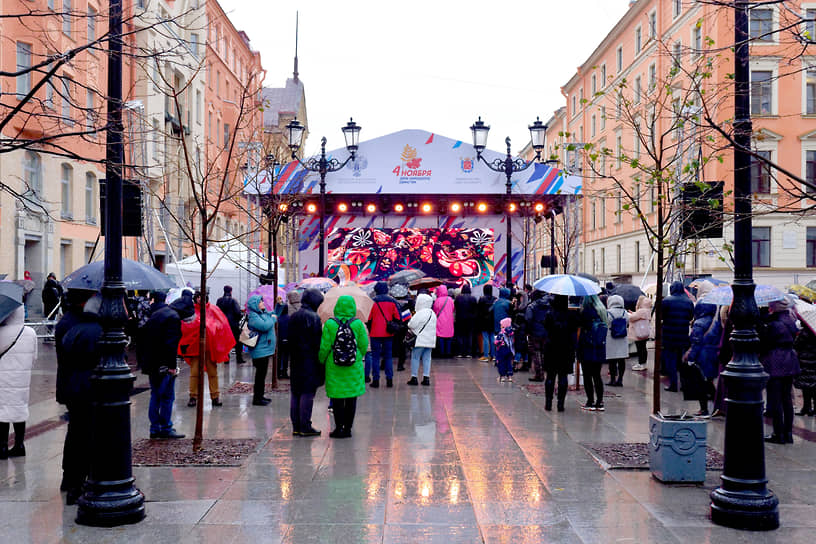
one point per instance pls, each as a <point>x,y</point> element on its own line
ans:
<point>248,337</point>
<point>411,336</point>
<point>392,326</point>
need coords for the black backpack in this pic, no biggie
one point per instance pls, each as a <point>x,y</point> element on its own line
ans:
<point>344,348</point>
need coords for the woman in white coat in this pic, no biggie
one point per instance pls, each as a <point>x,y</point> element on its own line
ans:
<point>18,346</point>
<point>423,324</point>
<point>617,341</point>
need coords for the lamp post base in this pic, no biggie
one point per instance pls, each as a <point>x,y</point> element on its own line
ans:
<point>110,504</point>
<point>735,510</point>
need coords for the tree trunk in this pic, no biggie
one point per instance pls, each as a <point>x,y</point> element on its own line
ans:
<point>202,339</point>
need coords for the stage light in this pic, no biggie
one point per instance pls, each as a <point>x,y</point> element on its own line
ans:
<point>455,207</point>
<point>399,208</point>
<point>283,207</point>
<point>371,208</point>
<point>512,207</point>
<point>311,208</point>
<point>426,208</point>
<point>482,207</point>
<point>539,207</point>
<point>342,207</point>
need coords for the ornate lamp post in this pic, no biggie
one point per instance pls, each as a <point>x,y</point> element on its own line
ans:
<point>323,165</point>
<point>509,166</point>
<point>110,497</point>
<point>743,500</point>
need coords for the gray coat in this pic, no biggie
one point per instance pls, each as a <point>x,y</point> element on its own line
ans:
<point>616,348</point>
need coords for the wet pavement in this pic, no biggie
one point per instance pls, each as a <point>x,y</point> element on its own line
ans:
<point>465,460</point>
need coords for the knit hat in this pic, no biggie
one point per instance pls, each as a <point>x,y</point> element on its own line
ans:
<point>506,323</point>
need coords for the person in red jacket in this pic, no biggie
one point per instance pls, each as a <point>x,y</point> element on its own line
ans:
<point>385,309</point>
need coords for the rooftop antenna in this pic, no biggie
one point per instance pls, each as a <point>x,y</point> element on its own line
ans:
<point>296,44</point>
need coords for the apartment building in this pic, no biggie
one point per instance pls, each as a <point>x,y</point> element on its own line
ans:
<point>658,45</point>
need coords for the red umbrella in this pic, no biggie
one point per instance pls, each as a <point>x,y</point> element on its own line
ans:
<point>219,335</point>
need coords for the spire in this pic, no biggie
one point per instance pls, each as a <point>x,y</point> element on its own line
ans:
<point>296,44</point>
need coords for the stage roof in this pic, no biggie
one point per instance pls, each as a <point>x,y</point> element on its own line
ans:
<point>415,162</point>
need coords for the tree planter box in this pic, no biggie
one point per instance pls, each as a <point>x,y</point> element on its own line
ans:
<point>677,448</point>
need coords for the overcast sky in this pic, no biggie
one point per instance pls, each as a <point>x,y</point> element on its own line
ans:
<point>434,65</point>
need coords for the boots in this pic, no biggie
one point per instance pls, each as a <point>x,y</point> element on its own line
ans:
<point>4,433</point>
<point>549,389</point>
<point>19,440</point>
<point>807,404</point>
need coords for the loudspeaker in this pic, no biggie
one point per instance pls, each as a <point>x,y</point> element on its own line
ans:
<point>131,207</point>
<point>549,261</point>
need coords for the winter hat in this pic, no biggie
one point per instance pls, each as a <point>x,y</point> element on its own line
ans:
<point>381,288</point>
<point>227,289</point>
<point>488,290</point>
<point>506,323</point>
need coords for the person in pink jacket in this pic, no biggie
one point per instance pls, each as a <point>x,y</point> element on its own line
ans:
<point>443,308</point>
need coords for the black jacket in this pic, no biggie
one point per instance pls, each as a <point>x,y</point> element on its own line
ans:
<point>536,315</point>
<point>231,310</point>
<point>161,335</point>
<point>466,309</point>
<point>485,313</point>
<point>305,330</point>
<point>80,356</point>
<point>51,293</point>
<point>561,324</point>
<point>678,311</point>
<point>70,318</point>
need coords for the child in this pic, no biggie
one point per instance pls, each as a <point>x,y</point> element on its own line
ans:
<point>505,352</point>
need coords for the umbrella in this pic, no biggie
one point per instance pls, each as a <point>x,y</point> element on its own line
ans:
<point>806,313</point>
<point>27,285</point>
<point>405,276</point>
<point>361,299</point>
<point>267,293</point>
<point>805,293</point>
<point>763,295</point>
<point>398,290</point>
<point>589,277</point>
<point>651,290</point>
<point>135,275</point>
<point>630,294</point>
<point>811,285</point>
<point>320,283</point>
<point>425,283</point>
<point>567,284</point>
<point>11,298</point>
<point>714,281</point>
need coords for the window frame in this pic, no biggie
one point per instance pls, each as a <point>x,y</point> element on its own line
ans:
<point>763,171</point>
<point>619,59</point>
<point>757,245</point>
<point>32,172</point>
<point>66,190</point>
<point>24,52</point>
<point>92,14</point>
<point>638,40</point>
<point>90,198</point>
<point>67,23</point>
<point>772,66</point>
<point>772,32</point>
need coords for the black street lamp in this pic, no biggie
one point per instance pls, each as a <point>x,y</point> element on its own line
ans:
<point>743,500</point>
<point>509,166</point>
<point>322,165</point>
<point>110,497</point>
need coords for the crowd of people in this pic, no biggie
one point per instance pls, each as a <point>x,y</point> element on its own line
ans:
<point>551,336</point>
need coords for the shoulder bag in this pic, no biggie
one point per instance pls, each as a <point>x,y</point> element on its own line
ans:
<point>411,337</point>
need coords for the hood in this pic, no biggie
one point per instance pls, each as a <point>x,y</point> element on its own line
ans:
<point>423,302</point>
<point>183,306</point>
<point>504,292</point>
<point>704,309</point>
<point>345,308</point>
<point>644,302</point>
<point>293,298</point>
<point>615,301</point>
<point>441,291</point>
<point>466,289</point>
<point>676,288</point>
<point>311,299</point>
<point>254,303</point>
<point>13,322</point>
<point>506,323</point>
<point>381,288</point>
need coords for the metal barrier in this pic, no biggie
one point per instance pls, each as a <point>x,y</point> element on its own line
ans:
<point>44,329</point>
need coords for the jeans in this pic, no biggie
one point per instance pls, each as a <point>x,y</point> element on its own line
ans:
<point>464,341</point>
<point>549,388</point>
<point>162,396</point>
<point>505,364</point>
<point>593,383</point>
<point>642,353</point>
<point>671,358</point>
<point>445,347</point>
<point>367,364</point>
<point>780,405</point>
<point>300,410</point>
<point>381,349</point>
<point>423,354</point>
<point>261,368</point>
<point>488,347</point>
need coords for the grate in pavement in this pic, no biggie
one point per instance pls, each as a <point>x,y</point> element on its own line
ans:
<point>221,452</point>
<point>243,388</point>
<point>635,455</point>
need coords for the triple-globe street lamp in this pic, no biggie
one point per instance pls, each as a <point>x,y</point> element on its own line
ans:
<point>323,165</point>
<point>509,166</point>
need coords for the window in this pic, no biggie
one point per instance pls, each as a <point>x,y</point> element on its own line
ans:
<point>574,101</point>
<point>91,24</point>
<point>90,198</point>
<point>65,258</point>
<point>49,94</point>
<point>810,247</point>
<point>636,91</point>
<point>760,174</point>
<point>761,92</point>
<point>652,197</point>
<point>810,25</point>
<point>761,24</point>
<point>198,107</point>
<point>637,256</point>
<point>618,150</point>
<point>652,77</point>
<point>594,214</point>
<point>618,257</point>
<point>32,173</point>
<point>761,246</point>
<point>592,126</point>
<point>209,125</point>
<point>697,40</point>
<point>677,8</point>
<point>638,40</point>
<point>810,91</point>
<point>603,75</point>
<point>594,262</point>
<point>218,82</point>
<point>810,171</point>
<point>156,139</point>
<point>66,183</point>
<point>603,260</point>
<point>677,54</point>
<point>619,59</point>
<point>636,141</point>
<point>226,135</point>
<point>51,4</point>
<point>652,25</point>
<point>66,17</point>
<point>66,101</point>
<point>603,117</point>
<point>603,213</point>
<point>594,85</point>
<point>23,64</point>
<point>194,43</point>
<point>90,112</point>
<point>619,208</point>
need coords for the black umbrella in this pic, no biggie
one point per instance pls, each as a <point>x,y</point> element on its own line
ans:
<point>630,294</point>
<point>405,276</point>
<point>589,277</point>
<point>11,298</point>
<point>135,275</point>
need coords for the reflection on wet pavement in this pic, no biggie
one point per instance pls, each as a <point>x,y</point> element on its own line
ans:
<point>466,460</point>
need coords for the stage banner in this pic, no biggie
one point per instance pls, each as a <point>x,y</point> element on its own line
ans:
<point>454,255</point>
<point>414,162</point>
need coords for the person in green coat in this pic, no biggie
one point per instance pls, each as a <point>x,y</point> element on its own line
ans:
<point>343,383</point>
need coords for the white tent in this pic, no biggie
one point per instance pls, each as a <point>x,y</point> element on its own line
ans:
<point>228,263</point>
